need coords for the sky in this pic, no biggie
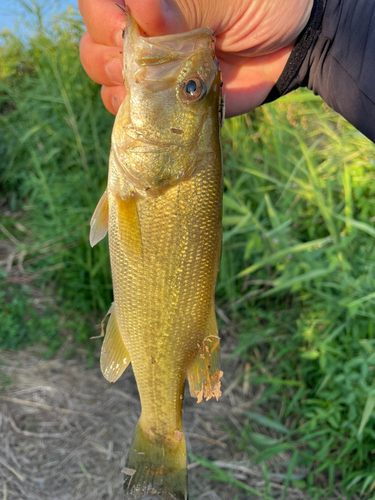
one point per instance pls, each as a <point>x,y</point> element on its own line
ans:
<point>11,11</point>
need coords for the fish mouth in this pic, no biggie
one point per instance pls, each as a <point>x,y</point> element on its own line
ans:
<point>161,50</point>
<point>177,43</point>
<point>181,43</point>
<point>181,37</point>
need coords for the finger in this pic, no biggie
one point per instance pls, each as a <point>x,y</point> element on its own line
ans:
<point>247,82</point>
<point>104,20</point>
<point>157,17</point>
<point>112,97</point>
<point>103,64</point>
<point>244,88</point>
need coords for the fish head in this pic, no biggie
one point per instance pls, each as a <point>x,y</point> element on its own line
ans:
<point>171,110</point>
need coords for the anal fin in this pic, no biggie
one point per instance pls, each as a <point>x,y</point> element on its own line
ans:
<point>204,374</point>
<point>114,357</point>
<point>99,220</point>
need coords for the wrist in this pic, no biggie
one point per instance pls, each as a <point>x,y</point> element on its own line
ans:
<point>290,79</point>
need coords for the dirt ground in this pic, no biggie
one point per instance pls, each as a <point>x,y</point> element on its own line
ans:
<point>64,431</point>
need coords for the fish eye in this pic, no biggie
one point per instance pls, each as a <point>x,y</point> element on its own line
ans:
<point>193,89</point>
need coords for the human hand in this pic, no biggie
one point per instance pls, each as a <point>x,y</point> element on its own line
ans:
<point>254,39</point>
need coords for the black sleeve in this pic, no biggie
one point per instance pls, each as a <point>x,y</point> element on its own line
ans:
<point>334,57</point>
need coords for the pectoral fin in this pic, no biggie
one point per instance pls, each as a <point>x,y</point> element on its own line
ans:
<point>99,220</point>
<point>129,227</point>
<point>114,357</point>
<point>204,374</point>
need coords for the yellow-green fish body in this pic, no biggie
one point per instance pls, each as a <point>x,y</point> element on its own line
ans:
<point>163,207</point>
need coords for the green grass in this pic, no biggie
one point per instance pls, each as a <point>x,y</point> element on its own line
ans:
<point>21,322</point>
<point>297,276</point>
<point>54,166</point>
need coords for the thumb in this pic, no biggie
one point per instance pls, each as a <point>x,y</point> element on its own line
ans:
<point>157,17</point>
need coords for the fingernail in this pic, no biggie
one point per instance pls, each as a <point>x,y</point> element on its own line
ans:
<point>119,39</point>
<point>116,102</point>
<point>113,70</point>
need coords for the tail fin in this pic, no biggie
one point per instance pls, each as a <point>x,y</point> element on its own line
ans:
<point>156,470</point>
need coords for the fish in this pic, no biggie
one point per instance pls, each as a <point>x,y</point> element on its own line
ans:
<point>162,210</point>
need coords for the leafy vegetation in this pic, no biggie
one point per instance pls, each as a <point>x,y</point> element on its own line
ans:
<point>20,322</point>
<point>54,140</point>
<point>297,275</point>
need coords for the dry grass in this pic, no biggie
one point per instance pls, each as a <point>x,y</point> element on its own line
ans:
<point>64,431</point>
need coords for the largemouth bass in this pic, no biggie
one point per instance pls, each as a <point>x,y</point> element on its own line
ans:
<point>162,209</point>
